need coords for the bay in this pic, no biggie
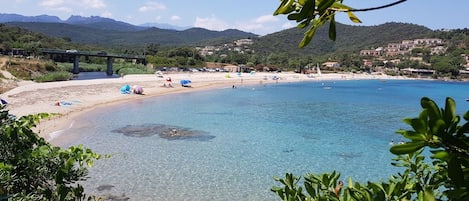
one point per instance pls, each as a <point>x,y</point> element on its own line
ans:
<point>251,134</point>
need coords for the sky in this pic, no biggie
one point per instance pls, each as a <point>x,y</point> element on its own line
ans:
<point>255,16</point>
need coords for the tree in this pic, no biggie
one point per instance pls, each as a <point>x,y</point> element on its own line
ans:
<point>446,178</point>
<point>313,14</point>
<point>152,49</point>
<point>33,169</point>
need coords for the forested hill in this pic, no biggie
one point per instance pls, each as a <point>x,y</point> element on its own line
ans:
<point>113,36</point>
<point>349,39</point>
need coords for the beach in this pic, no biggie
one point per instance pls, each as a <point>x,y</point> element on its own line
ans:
<point>67,99</point>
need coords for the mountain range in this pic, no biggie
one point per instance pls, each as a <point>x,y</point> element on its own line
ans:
<point>76,19</point>
<point>110,33</point>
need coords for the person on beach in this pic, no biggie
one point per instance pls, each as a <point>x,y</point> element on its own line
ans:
<point>168,80</point>
<point>338,188</point>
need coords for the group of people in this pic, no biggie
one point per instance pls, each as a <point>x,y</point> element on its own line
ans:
<point>126,89</point>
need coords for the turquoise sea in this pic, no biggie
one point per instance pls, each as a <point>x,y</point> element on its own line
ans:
<point>248,135</point>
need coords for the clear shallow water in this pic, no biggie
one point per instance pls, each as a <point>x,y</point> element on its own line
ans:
<point>259,132</point>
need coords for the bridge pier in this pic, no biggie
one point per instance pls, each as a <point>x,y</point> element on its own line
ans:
<point>109,66</point>
<point>76,60</point>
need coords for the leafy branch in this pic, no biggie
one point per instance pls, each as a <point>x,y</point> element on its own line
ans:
<point>316,13</point>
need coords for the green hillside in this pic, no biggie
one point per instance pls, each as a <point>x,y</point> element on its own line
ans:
<point>117,37</point>
<point>350,39</point>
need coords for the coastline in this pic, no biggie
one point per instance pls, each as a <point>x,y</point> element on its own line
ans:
<point>81,96</point>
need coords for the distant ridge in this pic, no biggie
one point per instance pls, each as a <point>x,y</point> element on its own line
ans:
<point>108,32</point>
<point>165,26</point>
<point>20,18</point>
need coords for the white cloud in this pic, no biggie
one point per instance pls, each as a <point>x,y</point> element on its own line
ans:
<point>150,6</point>
<point>288,25</point>
<point>51,3</point>
<point>265,19</point>
<point>96,4</point>
<point>68,5</point>
<point>211,24</point>
<point>106,14</point>
<point>260,25</point>
<point>175,18</point>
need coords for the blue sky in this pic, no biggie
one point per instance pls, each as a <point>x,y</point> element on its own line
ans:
<point>248,15</point>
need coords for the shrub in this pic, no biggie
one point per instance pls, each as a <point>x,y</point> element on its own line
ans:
<point>54,76</point>
<point>33,169</point>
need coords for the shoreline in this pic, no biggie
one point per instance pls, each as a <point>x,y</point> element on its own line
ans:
<point>82,96</point>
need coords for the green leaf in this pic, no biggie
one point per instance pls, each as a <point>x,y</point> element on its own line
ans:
<point>308,9</point>
<point>455,172</point>
<point>414,136</point>
<point>309,188</point>
<point>308,36</point>
<point>431,108</point>
<point>294,16</point>
<point>332,29</point>
<point>408,147</point>
<point>285,7</point>
<point>418,125</point>
<point>325,4</point>
<point>438,127</point>
<point>450,110</point>
<point>353,18</point>
<point>466,116</point>
<point>442,155</point>
<point>428,195</point>
<point>463,129</point>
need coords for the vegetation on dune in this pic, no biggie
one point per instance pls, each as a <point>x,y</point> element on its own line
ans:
<point>54,76</point>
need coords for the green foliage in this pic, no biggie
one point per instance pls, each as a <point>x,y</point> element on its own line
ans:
<point>178,57</point>
<point>33,169</point>
<point>313,14</point>
<point>126,68</point>
<point>439,130</point>
<point>445,178</point>
<point>14,37</point>
<point>351,40</point>
<point>54,76</point>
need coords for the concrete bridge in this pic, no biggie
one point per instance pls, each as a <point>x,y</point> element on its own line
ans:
<point>75,56</point>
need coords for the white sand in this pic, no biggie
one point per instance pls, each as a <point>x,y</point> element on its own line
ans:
<point>83,95</point>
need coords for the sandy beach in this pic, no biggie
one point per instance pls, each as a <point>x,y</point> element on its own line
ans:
<point>70,98</point>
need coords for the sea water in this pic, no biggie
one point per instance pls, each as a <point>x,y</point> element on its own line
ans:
<point>252,134</point>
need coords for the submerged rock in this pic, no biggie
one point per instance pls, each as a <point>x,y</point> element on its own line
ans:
<point>105,187</point>
<point>164,131</point>
<point>115,197</point>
